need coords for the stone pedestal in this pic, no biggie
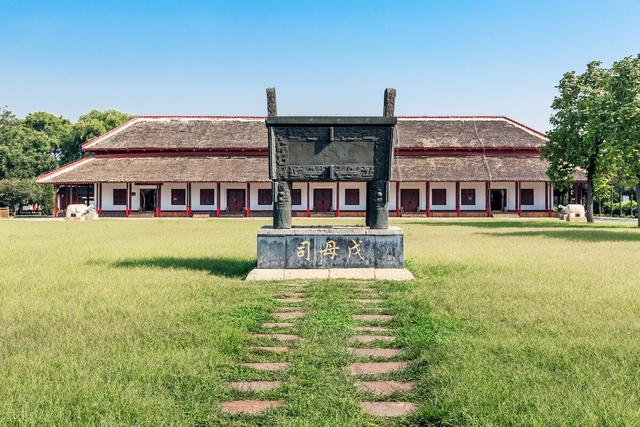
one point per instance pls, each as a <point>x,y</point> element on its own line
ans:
<point>330,252</point>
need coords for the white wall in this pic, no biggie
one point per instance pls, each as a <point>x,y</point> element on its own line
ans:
<point>315,185</point>
<point>224,186</point>
<point>195,196</point>
<point>511,193</point>
<point>362,205</point>
<point>254,196</point>
<point>451,196</point>
<point>538,196</point>
<point>420,186</point>
<point>107,197</point>
<point>303,197</point>
<point>165,202</point>
<point>480,196</point>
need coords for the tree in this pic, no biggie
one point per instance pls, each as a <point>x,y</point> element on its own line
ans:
<point>89,126</point>
<point>625,87</point>
<point>581,128</point>
<point>17,192</point>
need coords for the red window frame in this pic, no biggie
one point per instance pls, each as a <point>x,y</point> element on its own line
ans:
<point>178,196</point>
<point>468,196</point>
<point>296,196</point>
<point>207,196</point>
<point>119,197</point>
<point>351,196</point>
<point>527,197</point>
<point>265,196</point>
<point>438,196</point>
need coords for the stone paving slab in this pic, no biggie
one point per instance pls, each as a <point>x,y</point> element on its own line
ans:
<point>375,368</point>
<point>246,386</point>
<point>280,337</point>
<point>266,366</point>
<point>371,329</point>
<point>376,352</point>
<point>271,325</point>
<point>373,317</point>
<point>366,339</point>
<point>385,388</point>
<point>288,315</point>
<point>274,349</point>
<point>249,407</point>
<point>388,409</point>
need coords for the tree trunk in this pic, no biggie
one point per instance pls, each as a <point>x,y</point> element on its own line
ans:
<point>638,201</point>
<point>591,173</point>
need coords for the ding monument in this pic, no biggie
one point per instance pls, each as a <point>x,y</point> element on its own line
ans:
<point>329,149</point>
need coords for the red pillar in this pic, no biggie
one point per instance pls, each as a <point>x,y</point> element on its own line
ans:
<point>457,198</point>
<point>518,198</point>
<point>337,198</point>
<point>188,199</point>
<point>99,197</point>
<point>55,201</point>
<point>550,202</point>
<point>218,199</point>
<point>546,196</point>
<point>158,199</point>
<point>397,198</point>
<point>248,199</point>
<point>128,207</point>
<point>308,199</point>
<point>428,197</point>
<point>487,198</point>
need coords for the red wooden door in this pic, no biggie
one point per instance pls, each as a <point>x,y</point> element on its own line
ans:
<point>235,200</point>
<point>322,199</point>
<point>409,199</point>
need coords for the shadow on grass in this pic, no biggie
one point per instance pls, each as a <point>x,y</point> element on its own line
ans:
<point>228,267</point>
<point>579,234</point>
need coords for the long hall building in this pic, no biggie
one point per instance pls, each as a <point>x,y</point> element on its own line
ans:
<point>218,166</point>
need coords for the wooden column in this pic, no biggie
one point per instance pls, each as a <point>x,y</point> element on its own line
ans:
<point>128,207</point>
<point>546,196</point>
<point>217,199</point>
<point>518,198</point>
<point>99,197</point>
<point>188,199</point>
<point>487,198</point>
<point>56,205</point>
<point>338,198</point>
<point>457,198</point>
<point>248,200</point>
<point>158,199</point>
<point>428,198</point>
<point>308,199</point>
<point>550,200</point>
<point>397,198</point>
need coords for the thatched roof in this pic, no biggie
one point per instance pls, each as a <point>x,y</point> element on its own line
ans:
<point>255,169</point>
<point>250,133</point>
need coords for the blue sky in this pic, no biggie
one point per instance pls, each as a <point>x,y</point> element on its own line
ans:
<point>324,57</point>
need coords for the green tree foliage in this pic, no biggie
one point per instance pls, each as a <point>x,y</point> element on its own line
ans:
<point>17,192</point>
<point>580,137</point>
<point>89,126</point>
<point>625,87</point>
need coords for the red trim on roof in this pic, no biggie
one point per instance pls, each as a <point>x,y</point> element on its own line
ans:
<point>61,168</point>
<point>509,119</point>
<point>201,117</point>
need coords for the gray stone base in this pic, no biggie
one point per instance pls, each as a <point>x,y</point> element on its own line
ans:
<point>274,274</point>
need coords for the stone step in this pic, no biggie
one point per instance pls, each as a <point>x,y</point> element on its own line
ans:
<point>289,315</point>
<point>373,317</point>
<point>375,368</point>
<point>266,366</point>
<point>388,409</point>
<point>385,388</point>
<point>376,352</point>
<point>249,407</point>
<point>272,325</point>
<point>280,337</point>
<point>274,349</point>
<point>246,386</point>
<point>371,329</point>
<point>367,339</point>
<point>292,300</point>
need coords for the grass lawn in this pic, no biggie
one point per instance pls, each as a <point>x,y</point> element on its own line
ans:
<point>508,323</point>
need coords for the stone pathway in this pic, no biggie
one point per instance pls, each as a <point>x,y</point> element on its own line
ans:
<point>372,330</point>
<point>293,294</point>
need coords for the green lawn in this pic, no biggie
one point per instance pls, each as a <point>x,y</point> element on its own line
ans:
<point>508,323</point>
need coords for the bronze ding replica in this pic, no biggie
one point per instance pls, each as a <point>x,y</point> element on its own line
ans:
<point>331,149</point>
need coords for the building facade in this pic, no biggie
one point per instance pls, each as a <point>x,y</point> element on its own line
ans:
<point>218,166</point>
